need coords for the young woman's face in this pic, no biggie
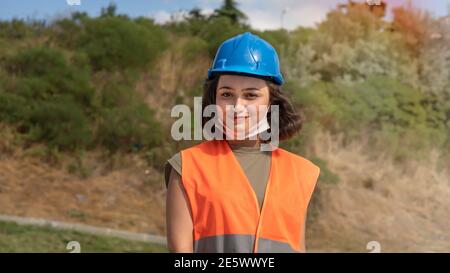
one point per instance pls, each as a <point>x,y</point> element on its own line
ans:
<point>247,95</point>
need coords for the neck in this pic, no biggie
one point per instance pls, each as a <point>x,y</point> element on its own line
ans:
<point>245,142</point>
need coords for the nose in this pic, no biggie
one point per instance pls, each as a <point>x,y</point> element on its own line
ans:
<point>240,104</point>
<point>240,107</point>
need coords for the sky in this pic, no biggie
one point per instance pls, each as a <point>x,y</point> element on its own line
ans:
<point>262,14</point>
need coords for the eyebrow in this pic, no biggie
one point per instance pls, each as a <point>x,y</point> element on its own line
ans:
<point>245,89</point>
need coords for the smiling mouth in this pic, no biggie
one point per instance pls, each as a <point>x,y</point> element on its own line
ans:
<point>239,120</point>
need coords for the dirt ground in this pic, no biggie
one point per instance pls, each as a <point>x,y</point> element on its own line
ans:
<point>126,198</point>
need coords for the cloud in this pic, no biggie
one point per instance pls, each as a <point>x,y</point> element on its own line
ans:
<point>266,15</point>
<point>262,20</point>
<point>161,16</point>
<point>307,15</point>
<point>207,11</point>
<point>269,16</point>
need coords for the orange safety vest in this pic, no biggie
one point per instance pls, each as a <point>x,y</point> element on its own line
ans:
<point>225,212</point>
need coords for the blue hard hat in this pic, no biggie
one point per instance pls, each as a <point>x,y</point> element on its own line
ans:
<point>248,54</point>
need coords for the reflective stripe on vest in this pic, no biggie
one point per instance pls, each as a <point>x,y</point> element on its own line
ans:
<point>225,211</point>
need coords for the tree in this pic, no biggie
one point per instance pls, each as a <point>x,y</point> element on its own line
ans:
<point>411,23</point>
<point>194,21</point>
<point>229,9</point>
<point>428,40</point>
<point>196,14</point>
<point>110,10</point>
<point>378,10</point>
<point>351,45</point>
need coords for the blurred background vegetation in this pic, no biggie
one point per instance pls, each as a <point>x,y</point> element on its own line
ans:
<point>71,83</point>
<point>82,85</point>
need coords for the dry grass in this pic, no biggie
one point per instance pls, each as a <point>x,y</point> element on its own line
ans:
<point>172,76</point>
<point>121,192</point>
<point>404,207</point>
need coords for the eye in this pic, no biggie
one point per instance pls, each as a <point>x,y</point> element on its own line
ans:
<point>251,95</point>
<point>226,94</point>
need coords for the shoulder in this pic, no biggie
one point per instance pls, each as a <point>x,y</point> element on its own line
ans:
<point>203,146</point>
<point>173,163</point>
<point>203,150</point>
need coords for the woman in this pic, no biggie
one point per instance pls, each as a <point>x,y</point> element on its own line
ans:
<point>230,195</point>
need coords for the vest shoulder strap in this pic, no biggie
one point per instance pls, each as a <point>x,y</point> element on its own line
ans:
<point>306,171</point>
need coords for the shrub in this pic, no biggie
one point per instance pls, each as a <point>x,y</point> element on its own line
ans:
<point>48,98</point>
<point>115,42</point>
<point>44,72</point>
<point>125,121</point>
<point>396,115</point>
<point>128,128</point>
<point>15,29</point>
<point>60,122</point>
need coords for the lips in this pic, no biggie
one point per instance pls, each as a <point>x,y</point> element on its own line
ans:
<point>240,118</point>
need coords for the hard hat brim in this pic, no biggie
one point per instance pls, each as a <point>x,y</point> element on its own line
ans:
<point>244,71</point>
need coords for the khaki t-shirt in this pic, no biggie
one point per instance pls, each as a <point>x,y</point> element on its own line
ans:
<point>254,162</point>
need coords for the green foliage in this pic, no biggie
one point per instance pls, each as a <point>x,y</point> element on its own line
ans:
<point>12,107</point>
<point>110,10</point>
<point>395,114</point>
<point>66,32</point>
<point>130,127</point>
<point>19,29</point>
<point>156,157</point>
<point>193,48</point>
<point>278,38</point>
<point>29,238</point>
<point>60,122</point>
<point>45,72</point>
<point>352,73</point>
<point>53,101</point>
<point>48,98</point>
<point>302,35</point>
<point>230,10</point>
<point>228,19</point>
<point>349,25</point>
<point>115,43</point>
<point>16,29</point>
<point>227,30</point>
<point>125,121</point>
<point>326,175</point>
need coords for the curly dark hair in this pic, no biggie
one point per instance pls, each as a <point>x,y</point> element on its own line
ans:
<point>290,122</point>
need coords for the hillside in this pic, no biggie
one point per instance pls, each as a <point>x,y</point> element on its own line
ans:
<point>85,119</point>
